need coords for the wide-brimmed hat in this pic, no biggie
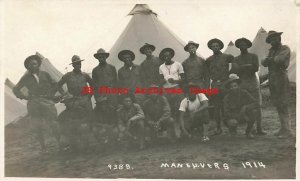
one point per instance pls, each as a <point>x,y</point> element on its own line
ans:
<point>76,59</point>
<point>142,49</point>
<point>190,43</point>
<point>238,41</point>
<point>167,50</point>
<point>215,40</point>
<point>272,34</point>
<point>123,52</point>
<point>101,51</point>
<point>32,57</point>
<point>232,78</point>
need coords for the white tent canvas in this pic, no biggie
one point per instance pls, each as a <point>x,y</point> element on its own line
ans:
<point>14,108</point>
<point>261,49</point>
<point>145,27</point>
<point>232,50</point>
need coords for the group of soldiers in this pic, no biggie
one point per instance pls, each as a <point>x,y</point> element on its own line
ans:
<point>139,116</point>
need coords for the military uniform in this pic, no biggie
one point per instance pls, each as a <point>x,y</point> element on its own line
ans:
<point>105,75</point>
<point>233,103</point>
<point>130,78</point>
<point>149,68</point>
<point>196,71</point>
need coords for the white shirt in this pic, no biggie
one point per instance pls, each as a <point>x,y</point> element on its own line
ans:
<point>192,106</point>
<point>36,77</point>
<point>171,71</point>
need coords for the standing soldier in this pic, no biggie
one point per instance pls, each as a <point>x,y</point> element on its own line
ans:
<point>245,66</point>
<point>77,81</point>
<point>40,106</point>
<point>277,62</point>
<point>171,76</point>
<point>129,76</point>
<point>218,67</point>
<point>150,66</point>
<point>104,75</point>
<point>194,67</point>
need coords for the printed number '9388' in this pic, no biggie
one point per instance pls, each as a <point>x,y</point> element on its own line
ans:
<point>119,167</point>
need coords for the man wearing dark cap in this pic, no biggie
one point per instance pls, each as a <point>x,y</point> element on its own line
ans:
<point>194,67</point>
<point>129,76</point>
<point>277,62</point>
<point>171,76</point>
<point>150,65</point>
<point>158,115</point>
<point>41,105</point>
<point>239,107</point>
<point>218,70</point>
<point>246,66</point>
<point>76,81</point>
<point>104,75</point>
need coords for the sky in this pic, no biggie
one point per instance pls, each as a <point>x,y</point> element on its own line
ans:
<point>58,29</point>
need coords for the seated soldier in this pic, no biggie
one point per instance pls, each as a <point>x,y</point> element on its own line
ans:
<point>131,119</point>
<point>104,121</point>
<point>74,124</point>
<point>158,116</point>
<point>239,107</point>
<point>194,113</point>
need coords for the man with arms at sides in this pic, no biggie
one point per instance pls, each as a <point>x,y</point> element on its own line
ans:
<point>218,70</point>
<point>129,76</point>
<point>105,75</point>
<point>194,67</point>
<point>150,66</point>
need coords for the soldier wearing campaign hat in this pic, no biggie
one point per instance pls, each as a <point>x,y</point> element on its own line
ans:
<point>150,65</point>
<point>194,66</point>
<point>218,70</point>
<point>40,97</point>
<point>277,62</point>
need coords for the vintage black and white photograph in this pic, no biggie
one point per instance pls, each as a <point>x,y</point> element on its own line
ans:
<point>202,89</point>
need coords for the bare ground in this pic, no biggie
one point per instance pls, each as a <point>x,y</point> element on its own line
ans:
<point>22,158</point>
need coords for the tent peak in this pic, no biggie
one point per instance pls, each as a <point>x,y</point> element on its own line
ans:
<point>230,43</point>
<point>141,9</point>
<point>262,30</point>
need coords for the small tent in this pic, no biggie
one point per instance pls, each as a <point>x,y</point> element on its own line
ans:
<point>14,108</point>
<point>261,49</point>
<point>232,50</point>
<point>145,27</point>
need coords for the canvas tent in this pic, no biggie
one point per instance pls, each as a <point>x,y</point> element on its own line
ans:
<point>145,27</point>
<point>14,108</point>
<point>232,50</point>
<point>261,49</point>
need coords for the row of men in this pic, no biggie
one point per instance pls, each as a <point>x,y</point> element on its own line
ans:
<point>163,71</point>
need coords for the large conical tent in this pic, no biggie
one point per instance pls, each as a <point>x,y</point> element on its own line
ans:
<point>48,67</point>
<point>145,27</point>
<point>232,50</point>
<point>261,49</point>
<point>14,108</point>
